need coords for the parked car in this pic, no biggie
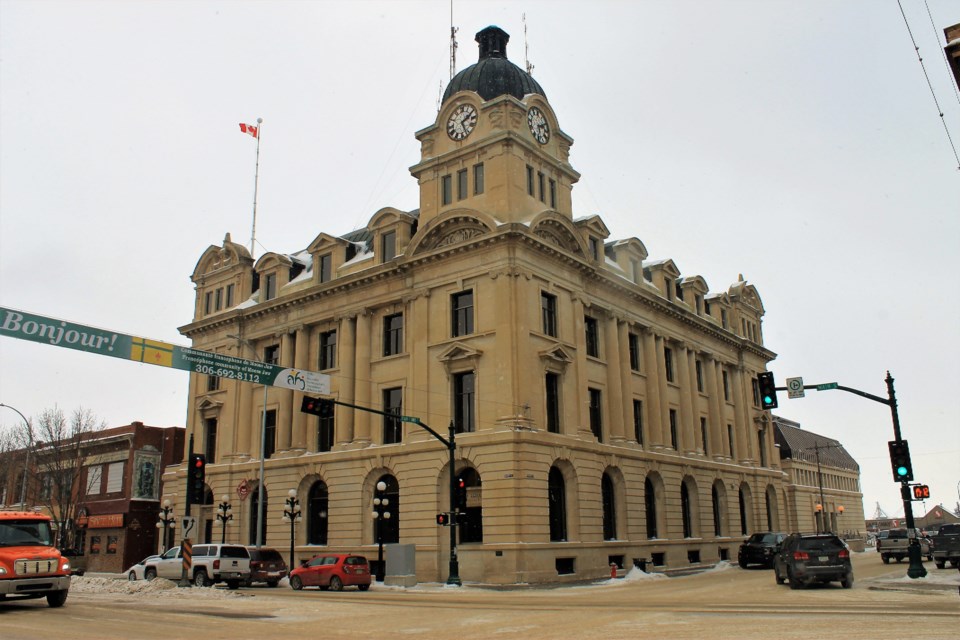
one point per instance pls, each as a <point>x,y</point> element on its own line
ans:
<point>136,571</point>
<point>211,563</point>
<point>760,548</point>
<point>266,565</point>
<point>332,571</point>
<point>946,546</point>
<point>895,543</point>
<point>805,558</point>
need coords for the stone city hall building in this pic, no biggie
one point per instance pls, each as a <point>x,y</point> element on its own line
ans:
<point>606,407</point>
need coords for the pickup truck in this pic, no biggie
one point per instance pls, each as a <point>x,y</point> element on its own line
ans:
<point>894,543</point>
<point>30,565</point>
<point>946,546</point>
<point>210,563</point>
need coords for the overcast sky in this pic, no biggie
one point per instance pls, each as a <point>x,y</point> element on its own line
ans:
<point>796,143</point>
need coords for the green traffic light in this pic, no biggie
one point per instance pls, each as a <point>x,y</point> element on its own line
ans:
<point>901,471</point>
<point>767,400</point>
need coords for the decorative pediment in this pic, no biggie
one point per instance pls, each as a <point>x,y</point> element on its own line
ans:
<point>555,231</point>
<point>460,357</point>
<point>209,407</point>
<point>556,357</point>
<point>453,228</point>
<point>216,258</point>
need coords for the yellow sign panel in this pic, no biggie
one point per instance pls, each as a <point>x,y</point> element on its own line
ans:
<point>152,352</point>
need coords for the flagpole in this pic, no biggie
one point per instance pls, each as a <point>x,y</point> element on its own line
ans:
<point>256,182</point>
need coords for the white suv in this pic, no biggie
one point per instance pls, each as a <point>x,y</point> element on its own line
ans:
<point>211,563</point>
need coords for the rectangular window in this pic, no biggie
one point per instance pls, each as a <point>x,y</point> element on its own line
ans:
<point>548,312</point>
<point>115,477</point>
<point>388,245</point>
<point>208,303</point>
<point>229,296</point>
<point>703,433</point>
<point>462,184</point>
<point>553,402</point>
<point>706,307</point>
<point>271,354</point>
<point>674,436</point>
<point>540,189</point>
<point>668,362</point>
<point>733,451</point>
<point>446,188</point>
<point>325,432</point>
<point>218,297</point>
<point>723,318</point>
<point>595,248</point>
<point>698,299</point>
<point>762,444</point>
<point>478,179</point>
<point>699,366</point>
<point>596,415</point>
<point>553,194</point>
<point>679,290</point>
<point>638,421</point>
<point>270,445</point>
<point>633,340</point>
<point>270,287</point>
<point>464,392</point>
<point>210,440</point>
<point>328,349</point>
<point>393,334</point>
<point>461,305</point>
<point>756,392</point>
<point>94,478</point>
<point>726,386</point>
<point>213,383</point>
<point>326,263</point>
<point>393,404</point>
<point>529,180</point>
<point>593,336</point>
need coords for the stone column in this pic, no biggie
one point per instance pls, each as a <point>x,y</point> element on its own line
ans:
<point>654,423</point>
<point>363,383</point>
<point>626,381</point>
<point>745,445</point>
<point>301,362</point>
<point>346,359</point>
<point>582,410</point>
<point>285,412</point>
<point>243,426</point>
<point>686,438</point>
<point>714,416</point>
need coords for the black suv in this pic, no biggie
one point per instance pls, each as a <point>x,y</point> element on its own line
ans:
<point>805,558</point>
<point>760,549</point>
<point>266,565</point>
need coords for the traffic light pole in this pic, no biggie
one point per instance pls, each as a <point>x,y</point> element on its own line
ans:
<point>450,443</point>
<point>916,569</point>
<point>184,581</point>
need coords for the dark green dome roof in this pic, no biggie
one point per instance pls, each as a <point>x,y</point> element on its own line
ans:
<point>493,75</point>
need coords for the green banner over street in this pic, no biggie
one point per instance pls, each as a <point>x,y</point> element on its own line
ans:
<point>69,335</point>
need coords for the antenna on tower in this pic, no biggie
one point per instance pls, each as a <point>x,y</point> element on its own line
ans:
<point>453,44</point>
<point>526,48</point>
<point>879,514</point>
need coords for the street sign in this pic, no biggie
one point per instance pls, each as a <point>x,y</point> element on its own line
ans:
<point>189,526</point>
<point>410,419</point>
<point>59,333</point>
<point>795,388</point>
<point>826,386</point>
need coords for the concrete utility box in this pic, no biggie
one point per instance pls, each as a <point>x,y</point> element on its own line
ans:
<point>401,569</point>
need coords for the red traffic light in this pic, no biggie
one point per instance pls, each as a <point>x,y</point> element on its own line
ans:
<point>443,519</point>
<point>199,462</point>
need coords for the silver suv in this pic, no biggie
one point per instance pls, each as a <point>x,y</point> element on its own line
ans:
<point>211,563</point>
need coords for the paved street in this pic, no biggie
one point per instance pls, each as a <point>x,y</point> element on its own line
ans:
<point>722,603</point>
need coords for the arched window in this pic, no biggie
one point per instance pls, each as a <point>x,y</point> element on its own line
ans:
<point>650,502</point>
<point>470,503</point>
<point>557,496</point>
<point>390,526</point>
<point>717,521</point>
<point>685,510</point>
<point>254,501</point>
<point>317,503</point>
<point>609,508</point>
<point>743,512</point>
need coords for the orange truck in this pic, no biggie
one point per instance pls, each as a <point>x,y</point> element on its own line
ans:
<point>30,564</point>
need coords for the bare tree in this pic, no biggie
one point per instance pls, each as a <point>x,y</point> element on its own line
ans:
<point>14,460</point>
<point>58,449</point>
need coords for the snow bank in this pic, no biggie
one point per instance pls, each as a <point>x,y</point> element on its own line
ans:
<point>159,588</point>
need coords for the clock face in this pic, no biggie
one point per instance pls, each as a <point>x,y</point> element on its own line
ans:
<point>538,124</point>
<point>462,121</point>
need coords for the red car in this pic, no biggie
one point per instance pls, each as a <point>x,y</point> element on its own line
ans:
<point>333,571</point>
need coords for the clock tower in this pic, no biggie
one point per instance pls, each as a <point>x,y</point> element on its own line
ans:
<point>496,146</point>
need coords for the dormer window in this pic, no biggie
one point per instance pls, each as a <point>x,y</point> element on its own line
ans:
<point>388,245</point>
<point>270,286</point>
<point>595,248</point>
<point>679,290</point>
<point>325,267</point>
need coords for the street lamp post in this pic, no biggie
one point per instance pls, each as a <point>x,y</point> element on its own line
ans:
<point>291,514</point>
<point>26,460</point>
<point>166,522</point>
<point>263,443</point>
<point>380,513</point>
<point>224,516</point>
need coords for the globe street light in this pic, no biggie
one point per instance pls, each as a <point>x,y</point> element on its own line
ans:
<point>291,514</point>
<point>166,522</point>
<point>379,514</point>
<point>224,516</point>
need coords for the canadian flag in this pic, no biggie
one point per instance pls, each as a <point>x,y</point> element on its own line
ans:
<point>250,129</point>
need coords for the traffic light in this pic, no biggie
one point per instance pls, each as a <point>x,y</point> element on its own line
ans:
<point>196,477</point>
<point>443,519</point>
<point>322,407</point>
<point>768,390</point>
<point>900,461</point>
<point>921,492</point>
